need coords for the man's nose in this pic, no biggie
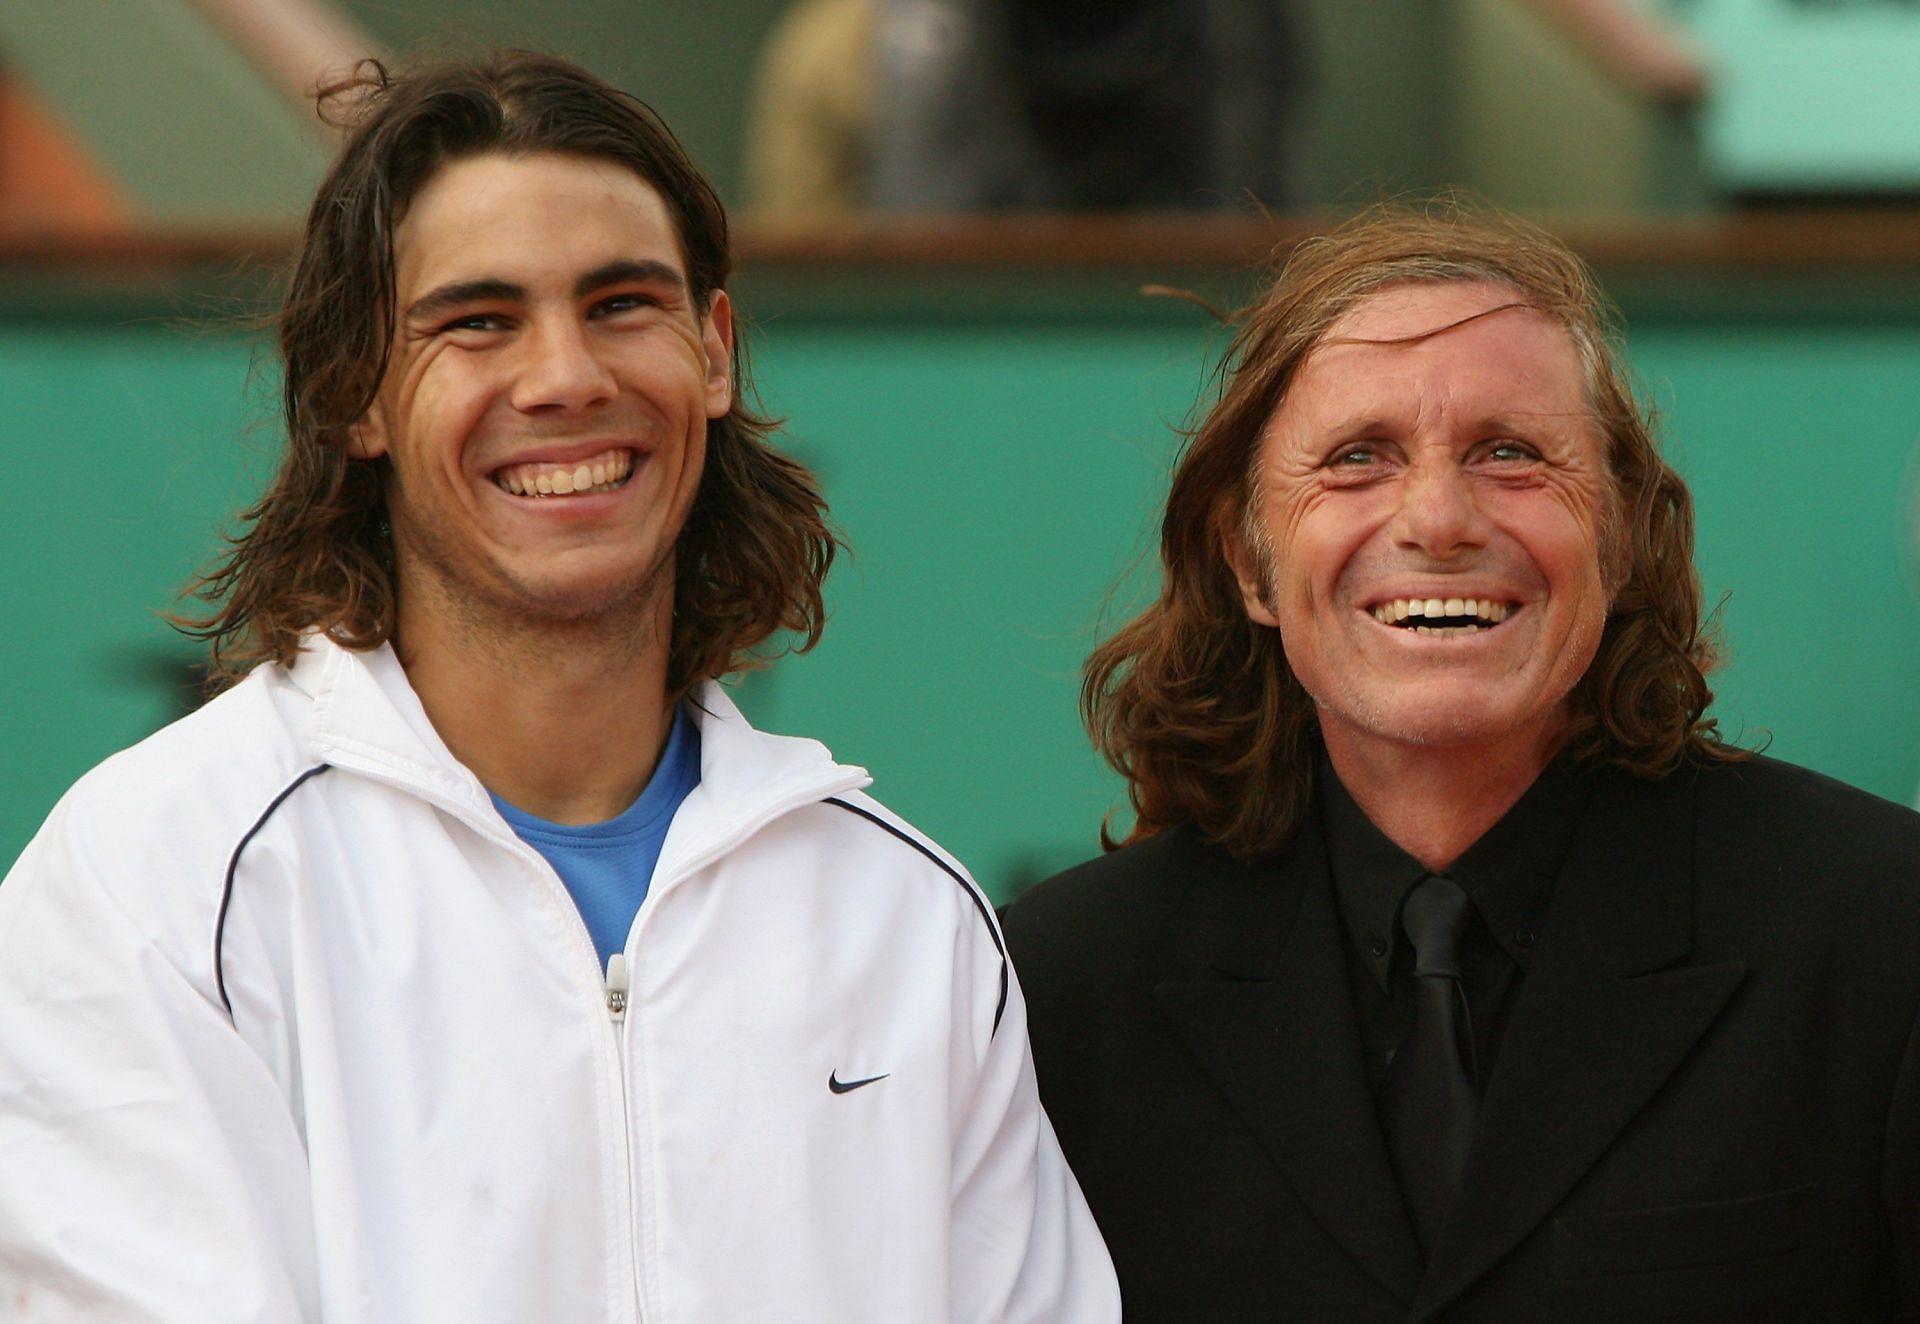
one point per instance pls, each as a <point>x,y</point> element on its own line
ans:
<point>562,372</point>
<point>1439,511</point>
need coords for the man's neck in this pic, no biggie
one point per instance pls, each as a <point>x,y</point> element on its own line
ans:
<point>567,725</point>
<point>1435,801</point>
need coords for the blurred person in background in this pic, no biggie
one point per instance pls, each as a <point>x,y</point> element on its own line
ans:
<point>1059,105</point>
<point>995,105</point>
<point>963,106</point>
<point>1454,968</point>
<point>470,956</point>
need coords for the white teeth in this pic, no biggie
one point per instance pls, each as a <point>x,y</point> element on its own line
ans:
<point>597,473</point>
<point>1486,612</point>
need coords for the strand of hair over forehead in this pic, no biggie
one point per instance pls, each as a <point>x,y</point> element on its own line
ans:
<point>1454,238</point>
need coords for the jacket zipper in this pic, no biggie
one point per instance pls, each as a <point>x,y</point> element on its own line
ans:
<point>617,990</point>
<point>617,985</point>
<point>614,988</point>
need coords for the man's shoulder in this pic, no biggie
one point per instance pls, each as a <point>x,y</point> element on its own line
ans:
<point>1811,855</point>
<point>1791,811</point>
<point>149,834</point>
<point>857,821</point>
<point>1125,901</point>
<point>204,777</point>
<point>1131,872</point>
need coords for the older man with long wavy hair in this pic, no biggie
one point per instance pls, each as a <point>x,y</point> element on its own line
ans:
<point>1453,967</point>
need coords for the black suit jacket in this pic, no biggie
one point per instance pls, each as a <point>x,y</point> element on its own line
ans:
<point>1706,1106</point>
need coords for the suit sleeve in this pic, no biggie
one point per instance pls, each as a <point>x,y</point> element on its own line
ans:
<point>1025,1248</point>
<point>150,1169</point>
<point>1901,1176</point>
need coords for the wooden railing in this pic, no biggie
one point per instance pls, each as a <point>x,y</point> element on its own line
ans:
<point>1811,240</point>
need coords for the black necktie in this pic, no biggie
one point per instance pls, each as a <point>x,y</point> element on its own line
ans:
<point>1429,1100</point>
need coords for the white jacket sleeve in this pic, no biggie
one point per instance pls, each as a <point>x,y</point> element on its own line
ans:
<point>1025,1248</point>
<point>149,1167</point>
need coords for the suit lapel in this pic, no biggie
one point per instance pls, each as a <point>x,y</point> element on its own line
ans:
<point>1270,1022</point>
<point>1606,1016</point>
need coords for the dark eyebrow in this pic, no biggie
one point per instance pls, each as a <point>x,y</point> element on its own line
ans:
<point>491,289</point>
<point>455,293</point>
<point>623,271</point>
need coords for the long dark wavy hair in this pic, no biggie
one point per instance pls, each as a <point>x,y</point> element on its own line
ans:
<point>1196,706</point>
<point>314,554</point>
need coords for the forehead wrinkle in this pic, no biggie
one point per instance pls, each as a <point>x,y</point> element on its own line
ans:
<point>1371,417</point>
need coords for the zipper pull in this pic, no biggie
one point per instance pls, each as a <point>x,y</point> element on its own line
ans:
<point>617,987</point>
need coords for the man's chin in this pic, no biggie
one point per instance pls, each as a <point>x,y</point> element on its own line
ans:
<point>1434,723</point>
<point>576,607</point>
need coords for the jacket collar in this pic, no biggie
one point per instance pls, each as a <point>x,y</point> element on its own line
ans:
<point>367,719</point>
<point>1262,1006</point>
<point>747,778</point>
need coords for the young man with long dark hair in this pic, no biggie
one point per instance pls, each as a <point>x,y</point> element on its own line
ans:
<point>471,957</point>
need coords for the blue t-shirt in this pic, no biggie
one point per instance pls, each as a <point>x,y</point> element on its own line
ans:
<point>609,866</point>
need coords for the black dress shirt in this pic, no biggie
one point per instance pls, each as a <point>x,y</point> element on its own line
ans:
<point>1508,875</point>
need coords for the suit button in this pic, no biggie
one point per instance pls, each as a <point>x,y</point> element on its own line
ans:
<point>1523,936</point>
<point>1379,947</point>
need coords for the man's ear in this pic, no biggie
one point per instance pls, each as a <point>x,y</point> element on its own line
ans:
<point>1230,529</point>
<point>716,336</point>
<point>367,437</point>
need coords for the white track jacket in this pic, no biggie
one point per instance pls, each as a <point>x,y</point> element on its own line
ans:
<point>293,1027</point>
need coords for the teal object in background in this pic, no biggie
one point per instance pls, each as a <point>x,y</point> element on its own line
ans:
<point>995,482</point>
<point>1795,439</point>
<point>139,436</point>
<point>998,474</point>
<point>1810,95</point>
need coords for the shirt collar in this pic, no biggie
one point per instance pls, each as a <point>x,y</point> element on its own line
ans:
<point>1509,873</point>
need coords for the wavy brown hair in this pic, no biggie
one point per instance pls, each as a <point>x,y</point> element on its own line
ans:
<point>315,553</point>
<point>1196,706</point>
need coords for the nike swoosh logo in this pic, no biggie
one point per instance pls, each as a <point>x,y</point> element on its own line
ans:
<point>839,1086</point>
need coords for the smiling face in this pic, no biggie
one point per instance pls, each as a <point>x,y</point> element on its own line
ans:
<point>545,409</point>
<point>1428,524</point>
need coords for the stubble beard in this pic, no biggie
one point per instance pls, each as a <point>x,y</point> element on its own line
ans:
<point>514,627</point>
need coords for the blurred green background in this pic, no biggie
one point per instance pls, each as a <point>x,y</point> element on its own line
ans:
<point>998,477</point>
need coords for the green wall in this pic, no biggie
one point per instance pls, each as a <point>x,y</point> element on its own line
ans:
<point>997,474</point>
